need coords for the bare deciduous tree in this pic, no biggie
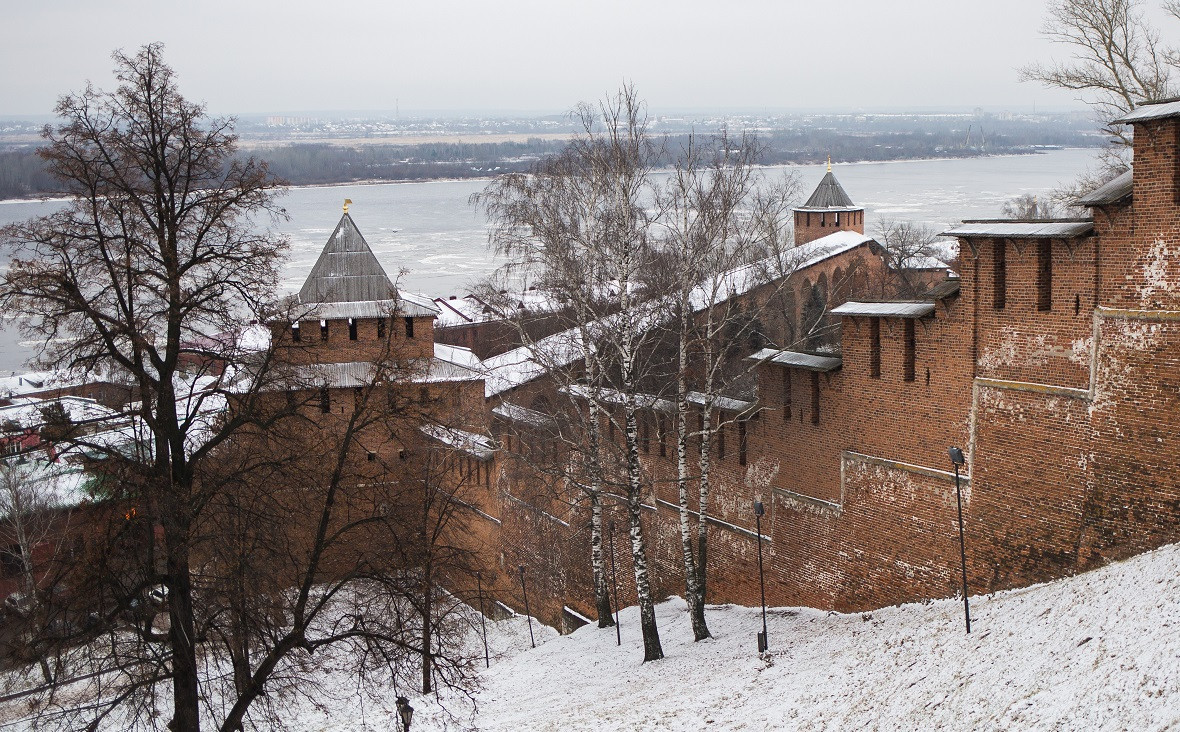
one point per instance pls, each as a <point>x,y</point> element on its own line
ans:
<point>1117,61</point>
<point>718,222</point>
<point>582,221</point>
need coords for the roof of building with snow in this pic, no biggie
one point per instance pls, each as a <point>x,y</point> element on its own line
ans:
<point>896,309</point>
<point>524,415</point>
<point>1115,190</point>
<point>1151,110</point>
<point>829,194</point>
<point>27,411</point>
<point>353,374</point>
<point>797,359</point>
<point>476,445</point>
<point>521,365</point>
<point>1014,229</point>
<point>473,308</point>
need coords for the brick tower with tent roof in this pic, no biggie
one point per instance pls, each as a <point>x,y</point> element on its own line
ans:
<point>829,209</point>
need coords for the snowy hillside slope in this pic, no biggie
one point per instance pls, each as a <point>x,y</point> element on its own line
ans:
<point>1100,651</point>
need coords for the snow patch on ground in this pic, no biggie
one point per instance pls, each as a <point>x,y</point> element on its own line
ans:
<point>1100,651</point>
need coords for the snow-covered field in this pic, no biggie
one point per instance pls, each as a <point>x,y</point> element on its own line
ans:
<point>1099,651</point>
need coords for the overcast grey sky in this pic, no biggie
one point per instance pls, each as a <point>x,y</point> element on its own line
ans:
<point>244,56</point>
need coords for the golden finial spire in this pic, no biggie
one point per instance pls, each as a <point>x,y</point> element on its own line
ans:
<point>347,203</point>
<point>829,170</point>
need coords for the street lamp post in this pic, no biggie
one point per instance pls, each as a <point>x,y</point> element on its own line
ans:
<point>763,642</point>
<point>614,580</point>
<point>956,455</point>
<point>524,590</point>
<point>405,712</point>
<point>483,623</point>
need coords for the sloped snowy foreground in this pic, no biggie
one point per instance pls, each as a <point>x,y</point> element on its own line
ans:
<point>1100,651</point>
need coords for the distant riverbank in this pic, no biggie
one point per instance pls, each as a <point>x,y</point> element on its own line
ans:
<point>429,230</point>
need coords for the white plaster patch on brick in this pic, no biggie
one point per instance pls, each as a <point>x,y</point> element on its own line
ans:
<point>1080,350</point>
<point>1155,273</point>
<point>1024,349</point>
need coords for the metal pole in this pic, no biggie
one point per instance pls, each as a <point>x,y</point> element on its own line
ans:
<point>527,614</point>
<point>962,549</point>
<point>614,580</point>
<point>483,623</point>
<point>763,640</point>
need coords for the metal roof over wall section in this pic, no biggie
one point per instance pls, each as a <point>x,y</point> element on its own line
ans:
<point>1014,229</point>
<point>1152,110</point>
<point>797,359</point>
<point>1113,191</point>
<point>885,309</point>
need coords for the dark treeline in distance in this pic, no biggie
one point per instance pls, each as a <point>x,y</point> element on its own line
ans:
<point>812,139</point>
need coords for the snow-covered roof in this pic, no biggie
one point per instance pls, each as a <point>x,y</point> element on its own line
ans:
<point>1112,191</point>
<point>475,309</point>
<point>722,402</point>
<point>1151,110</point>
<point>523,415</point>
<point>607,395</point>
<point>27,411</point>
<point>479,446</point>
<point>521,365</point>
<point>743,279</point>
<point>457,355</point>
<point>885,309</point>
<point>797,359</point>
<point>1009,229</point>
<point>360,373</point>
<point>50,485</point>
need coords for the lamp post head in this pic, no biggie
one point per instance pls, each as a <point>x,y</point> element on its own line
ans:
<point>758,508</point>
<point>405,711</point>
<point>957,456</point>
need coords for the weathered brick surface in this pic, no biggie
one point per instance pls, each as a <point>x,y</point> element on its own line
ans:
<point>1066,415</point>
<point>811,225</point>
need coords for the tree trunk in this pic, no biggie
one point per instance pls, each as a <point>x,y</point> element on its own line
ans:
<point>692,593</point>
<point>186,716</point>
<point>601,590</point>
<point>697,605</point>
<point>652,651</point>
<point>598,565</point>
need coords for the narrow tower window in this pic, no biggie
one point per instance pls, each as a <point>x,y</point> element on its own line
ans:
<point>786,394</point>
<point>1000,276</point>
<point>815,397</point>
<point>380,328</point>
<point>295,332</point>
<point>911,348</point>
<point>742,444</point>
<point>875,348</point>
<point>409,327</point>
<point>352,329</point>
<point>1045,275</point>
<point>325,400</point>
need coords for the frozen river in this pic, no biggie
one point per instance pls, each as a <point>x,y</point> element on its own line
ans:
<point>429,230</point>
